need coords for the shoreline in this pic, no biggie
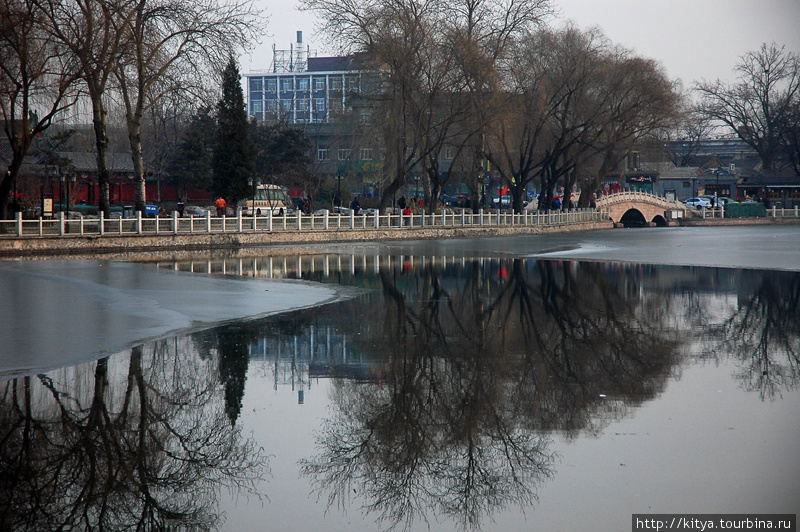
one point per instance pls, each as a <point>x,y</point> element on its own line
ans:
<point>93,246</point>
<point>124,247</point>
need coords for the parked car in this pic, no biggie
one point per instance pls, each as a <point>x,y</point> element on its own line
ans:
<point>697,203</point>
<point>722,201</point>
<point>194,210</point>
<point>504,201</point>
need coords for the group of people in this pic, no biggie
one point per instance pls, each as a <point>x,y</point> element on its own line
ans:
<point>405,206</point>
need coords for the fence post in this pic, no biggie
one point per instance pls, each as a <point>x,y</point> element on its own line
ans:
<point>208,221</point>
<point>18,217</point>
<point>138,223</point>
<point>480,217</point>
<point>377,220</point>
<point>174,222</point>
<point>269,220</point>
<point>239,221</point>
<point>352,219</point>
<point>299,219</point>
<point>101,224</point>
<point>773,211</point>
<point>325,223</point>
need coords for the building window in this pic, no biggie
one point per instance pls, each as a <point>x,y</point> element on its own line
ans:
<point>272,84</point>
<point>272,106</point>
<point>336,105</point>
<point>286,105</point>
<point>319,84</point>
<point>366,154</point>
<point>256,84</point>
<point>303,84</point>
<point>352,83</point>
<point>256,107</point>
<point>302,104</point>
<point>344,154</point>
<point>322,154</point>
<point>336,83</point>
<point>449,153</point>
<point>287,84</point>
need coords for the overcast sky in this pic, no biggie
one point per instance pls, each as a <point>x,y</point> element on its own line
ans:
<point>692,39</point>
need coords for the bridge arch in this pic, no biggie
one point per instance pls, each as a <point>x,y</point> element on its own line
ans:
<point>640,209</point>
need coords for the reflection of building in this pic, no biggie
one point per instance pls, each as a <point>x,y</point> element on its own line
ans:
<point>319,351</point>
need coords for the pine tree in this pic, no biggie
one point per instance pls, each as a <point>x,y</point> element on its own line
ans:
<point>234,155</point>
<point>190,167</point>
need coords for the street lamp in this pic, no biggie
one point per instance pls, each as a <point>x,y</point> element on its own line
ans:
<point>339,178</point>
<point>253,182</point>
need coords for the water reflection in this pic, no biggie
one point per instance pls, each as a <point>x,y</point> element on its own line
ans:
<point>449,379</point>
<point>762,334</point>
<point>134,442</point>
<point>473,362</point>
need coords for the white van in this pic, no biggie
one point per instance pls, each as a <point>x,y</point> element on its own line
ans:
<point>268,198</point>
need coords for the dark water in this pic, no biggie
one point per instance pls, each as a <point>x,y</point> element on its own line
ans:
<point>463,385</point>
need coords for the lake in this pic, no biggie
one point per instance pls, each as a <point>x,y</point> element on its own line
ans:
<point>558,382</point>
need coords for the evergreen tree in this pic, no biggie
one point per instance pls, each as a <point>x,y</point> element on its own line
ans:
<point>281,152</point>
<point>190,167</point>
<point>234,155</point>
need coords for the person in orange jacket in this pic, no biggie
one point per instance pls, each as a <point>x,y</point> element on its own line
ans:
<point>220,203</point>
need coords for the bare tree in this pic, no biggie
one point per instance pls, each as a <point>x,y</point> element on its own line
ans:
<point>767,87</point>
<point>168,43</point>
<point>482,38</point>
<point>693,129</point>
<point>416,46</point>
<point>789,132</point>
<point>36,83</point>
<point>574,102</point>
<point>89,30</point>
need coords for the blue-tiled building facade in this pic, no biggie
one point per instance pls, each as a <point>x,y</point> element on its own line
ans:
<point>314,95</point>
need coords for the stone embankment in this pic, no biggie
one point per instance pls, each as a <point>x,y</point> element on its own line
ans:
<point>82,245</point>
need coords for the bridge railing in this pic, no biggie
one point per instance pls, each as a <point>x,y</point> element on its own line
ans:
<point>62,226</point>
<point>630,195</point>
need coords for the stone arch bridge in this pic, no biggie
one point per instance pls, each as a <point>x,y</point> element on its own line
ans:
<point>641,208</point>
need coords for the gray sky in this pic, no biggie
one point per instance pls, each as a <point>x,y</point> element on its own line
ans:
<point>693,39</point>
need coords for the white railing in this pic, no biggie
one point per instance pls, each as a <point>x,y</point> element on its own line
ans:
<point>63,227</point>
<point>773,212</point>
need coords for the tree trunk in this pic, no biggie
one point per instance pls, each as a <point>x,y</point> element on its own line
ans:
<point>101,141</point>
<point>135,139</point>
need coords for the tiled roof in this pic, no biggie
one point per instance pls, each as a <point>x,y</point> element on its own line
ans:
<point>87,161</point>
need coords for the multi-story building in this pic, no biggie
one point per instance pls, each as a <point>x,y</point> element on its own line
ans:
<point>300,89</point>
<point>327,97</point>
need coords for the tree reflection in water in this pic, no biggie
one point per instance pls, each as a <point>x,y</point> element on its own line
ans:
<point>479,364</point>
<point>763,333</point>
<point>474,365</point>
<point>136,443</point>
